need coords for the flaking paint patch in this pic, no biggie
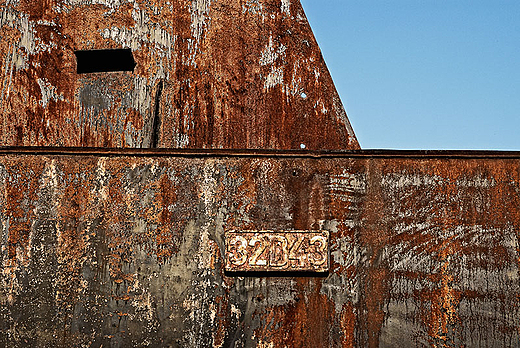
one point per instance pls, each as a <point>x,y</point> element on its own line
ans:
<point>200,19</point>
<point>8,79</point>
<point>479,181</point>
<point>270,53</point>
<point>20,21</point>
<point>341,291</point>
<point>274,78</point>
<point>269,56</point>
<point>346,183</point>
<point>254,7</point>
<point>207,195</point>
<point>264,344</point>
<point>49,92</point>
<point>102,178</point>
<point>144,31</point>
<point>113,4</point>
<point>395,181</point>
<point>286,7</point>
<point>236,311</point>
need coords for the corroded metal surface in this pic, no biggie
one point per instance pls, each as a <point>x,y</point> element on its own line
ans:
<point>209,74</point>
<point>120,249</point>
<point>277,251</point>
<point>129,251</point>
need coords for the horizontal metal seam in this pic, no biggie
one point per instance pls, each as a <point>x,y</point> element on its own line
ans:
<point>161,152</point>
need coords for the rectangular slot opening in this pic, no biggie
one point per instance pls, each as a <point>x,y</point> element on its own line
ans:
<point>110,60</point>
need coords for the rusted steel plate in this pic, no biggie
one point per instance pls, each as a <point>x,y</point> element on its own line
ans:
<point>209,74</point>
<point>277,251</point>
<point>130,251</point>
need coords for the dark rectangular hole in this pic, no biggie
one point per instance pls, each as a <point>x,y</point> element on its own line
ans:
<point>92,61</point>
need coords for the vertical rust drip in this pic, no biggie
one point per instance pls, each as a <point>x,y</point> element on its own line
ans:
<point>156,125</point>
<point>374,238</point>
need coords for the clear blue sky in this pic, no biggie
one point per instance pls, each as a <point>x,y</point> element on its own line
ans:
<point>424,74</point>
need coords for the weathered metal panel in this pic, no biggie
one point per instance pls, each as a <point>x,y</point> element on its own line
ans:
<point>209,74</point>
<point>129,251</point>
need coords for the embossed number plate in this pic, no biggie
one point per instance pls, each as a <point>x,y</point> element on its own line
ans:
<point>296,251</point>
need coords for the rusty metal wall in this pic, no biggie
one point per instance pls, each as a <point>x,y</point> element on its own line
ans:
<point>106,251</point>
<point>210,74</point>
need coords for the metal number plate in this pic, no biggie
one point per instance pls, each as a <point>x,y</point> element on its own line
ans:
<point>296,251</point>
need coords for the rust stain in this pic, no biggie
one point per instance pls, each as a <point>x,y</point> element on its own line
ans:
<point>348,325</point>
<point>293,325</point>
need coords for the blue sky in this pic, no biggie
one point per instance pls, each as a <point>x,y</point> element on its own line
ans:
<point>424,74</point>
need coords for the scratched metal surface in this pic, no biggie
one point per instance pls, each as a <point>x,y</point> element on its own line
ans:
<point>128,251</point>
<point>210,74</point>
